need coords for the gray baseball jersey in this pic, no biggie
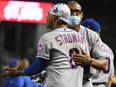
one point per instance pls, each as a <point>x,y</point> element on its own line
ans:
<point>102,76</point>
<point>58,46</point>
<point>93,42</point>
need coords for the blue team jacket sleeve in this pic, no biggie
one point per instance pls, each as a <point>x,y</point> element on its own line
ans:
<point>36,67</point>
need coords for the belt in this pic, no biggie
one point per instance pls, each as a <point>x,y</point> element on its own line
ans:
<point>99,83</point>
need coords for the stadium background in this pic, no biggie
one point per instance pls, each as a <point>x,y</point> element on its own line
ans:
<point>20,39</point>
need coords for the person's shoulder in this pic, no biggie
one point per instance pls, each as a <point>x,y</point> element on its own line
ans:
<point>46,36</point>
<point>90,32</point>
<point>106,46</point>
<point>72,30</point>
<point>57,31</point>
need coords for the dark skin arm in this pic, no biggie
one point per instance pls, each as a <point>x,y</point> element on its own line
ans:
<point>100,64</point>
<point>12,72</point>
<point>85,59</point>
<point>111,80</point>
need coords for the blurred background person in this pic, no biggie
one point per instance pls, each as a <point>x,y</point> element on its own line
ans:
<point>20,81</point>
<point>12,81</point>
<point>24,63</point>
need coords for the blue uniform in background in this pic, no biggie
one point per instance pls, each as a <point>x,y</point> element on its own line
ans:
<point>21,81</point>
<point>14,82</point>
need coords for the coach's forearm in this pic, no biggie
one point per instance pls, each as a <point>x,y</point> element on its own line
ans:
<point>100,64</point>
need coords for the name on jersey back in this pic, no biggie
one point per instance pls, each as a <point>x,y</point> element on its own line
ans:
<point>69,38</point>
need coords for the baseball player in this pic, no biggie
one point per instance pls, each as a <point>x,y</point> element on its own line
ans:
<point>98,57</point>
<point>100,79</point>
<point>55,49</point>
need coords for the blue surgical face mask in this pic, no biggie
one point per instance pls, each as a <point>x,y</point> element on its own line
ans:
<point>74,20</point>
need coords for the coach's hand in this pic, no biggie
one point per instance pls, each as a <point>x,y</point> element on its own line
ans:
<point>82,59</point>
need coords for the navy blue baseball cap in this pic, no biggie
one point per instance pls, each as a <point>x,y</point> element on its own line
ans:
<point>13,62</point>
<point>91,24</point>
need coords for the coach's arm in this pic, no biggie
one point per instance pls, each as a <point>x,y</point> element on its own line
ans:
<point>100,64</point>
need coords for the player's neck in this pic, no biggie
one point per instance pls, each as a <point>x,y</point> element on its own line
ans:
<point>60,26</point>
<point>77,28</point>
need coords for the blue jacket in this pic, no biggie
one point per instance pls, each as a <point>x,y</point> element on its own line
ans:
<point>21,81</point>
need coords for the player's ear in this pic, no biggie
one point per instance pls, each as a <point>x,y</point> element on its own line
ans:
<point>82,14</point>
<point>55,18</point>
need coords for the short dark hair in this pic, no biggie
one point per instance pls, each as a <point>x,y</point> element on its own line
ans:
<point>71,2</point>
<point>74,2</point>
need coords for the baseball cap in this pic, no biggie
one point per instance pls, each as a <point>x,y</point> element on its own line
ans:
<point>91,24</point>
<point>60,10</point>
<point>13,62</point>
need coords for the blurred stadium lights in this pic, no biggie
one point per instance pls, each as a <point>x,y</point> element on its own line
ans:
<point>20,11</point>
<point>55,1</point>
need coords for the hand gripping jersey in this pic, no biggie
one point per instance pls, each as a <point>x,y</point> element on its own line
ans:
<point>102,76</point>
<point>58,46</point>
